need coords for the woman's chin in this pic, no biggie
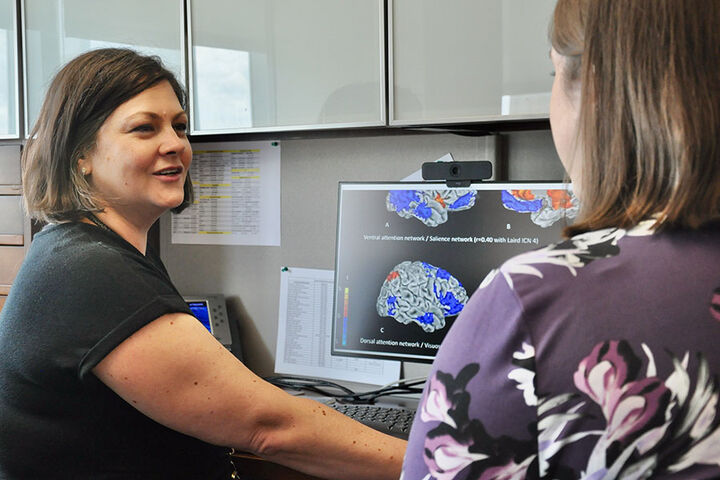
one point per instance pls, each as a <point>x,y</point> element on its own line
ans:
<point>171,202</point>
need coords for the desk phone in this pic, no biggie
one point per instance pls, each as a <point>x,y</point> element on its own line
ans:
<point>211,311</point>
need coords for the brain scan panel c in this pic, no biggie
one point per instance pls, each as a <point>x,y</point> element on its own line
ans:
<point>544,206</point>
<point>417,292</point>
<point>429,206</point>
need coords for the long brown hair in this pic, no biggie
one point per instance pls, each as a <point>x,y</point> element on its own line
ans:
<point>80,98</point>
<point>649,110</point>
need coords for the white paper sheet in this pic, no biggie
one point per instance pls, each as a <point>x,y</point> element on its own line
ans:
<point>237,195</point>
<point>305,329</point>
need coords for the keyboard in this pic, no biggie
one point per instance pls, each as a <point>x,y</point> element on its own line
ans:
<point>395,421</point>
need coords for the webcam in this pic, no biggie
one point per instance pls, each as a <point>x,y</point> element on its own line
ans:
<point>457,174</point>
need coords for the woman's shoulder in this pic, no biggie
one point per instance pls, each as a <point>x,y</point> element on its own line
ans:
<point>592,268</point>
<point>77,245</point>
<point>624,274</point>
<point>574,259</point>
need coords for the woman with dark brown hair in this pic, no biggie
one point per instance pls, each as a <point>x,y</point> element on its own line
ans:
<point>597,357</point>
<point>104,372</point>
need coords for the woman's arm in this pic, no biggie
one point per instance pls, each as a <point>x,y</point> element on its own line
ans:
<point>176,373</point>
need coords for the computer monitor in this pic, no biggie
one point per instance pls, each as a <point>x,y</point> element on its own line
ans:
<point>409,255</point>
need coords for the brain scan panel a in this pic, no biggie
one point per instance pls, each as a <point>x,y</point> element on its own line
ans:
<point>420,293</point>
<point>429,206</point>
<point>544,206</point>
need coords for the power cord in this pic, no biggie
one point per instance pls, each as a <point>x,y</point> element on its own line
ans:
<point>343,394</point>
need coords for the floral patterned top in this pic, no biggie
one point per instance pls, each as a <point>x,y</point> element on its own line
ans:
<point>595,358</point>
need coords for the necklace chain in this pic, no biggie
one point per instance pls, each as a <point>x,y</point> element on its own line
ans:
<point>93,218</point>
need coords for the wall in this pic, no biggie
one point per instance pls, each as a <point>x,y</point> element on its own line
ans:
<point>249,277</point>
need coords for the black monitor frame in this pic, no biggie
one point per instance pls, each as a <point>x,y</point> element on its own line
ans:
<point>387,337</point>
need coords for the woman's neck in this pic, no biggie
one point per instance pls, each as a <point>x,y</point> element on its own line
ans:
<point>134,232</point>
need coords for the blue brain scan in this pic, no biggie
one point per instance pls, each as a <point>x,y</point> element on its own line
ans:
<point>544,206</point>
<point>429,206</point>
<point>420,293</point>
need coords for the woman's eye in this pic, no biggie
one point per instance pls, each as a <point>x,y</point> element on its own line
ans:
<point>181,127</point>
<point>143,128</point>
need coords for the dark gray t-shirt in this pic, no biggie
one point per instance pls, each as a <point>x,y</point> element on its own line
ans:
<point>80,293</point>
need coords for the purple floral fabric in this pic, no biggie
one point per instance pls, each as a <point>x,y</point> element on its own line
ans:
<point>595,358</point>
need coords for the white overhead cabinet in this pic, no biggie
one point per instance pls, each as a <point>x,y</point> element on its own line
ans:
<point>9,123</point>
<point>271,65</point>
<point>463,61</point>
<point>56,31</point>
<point>293,65</point>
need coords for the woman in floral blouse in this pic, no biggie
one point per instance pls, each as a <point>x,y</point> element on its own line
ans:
<point>598,357</point>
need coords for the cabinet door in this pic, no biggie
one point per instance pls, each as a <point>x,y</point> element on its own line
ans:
<point>270,65</point>
<point>10,166</point>
<point>456,61</point>
<point>9,123</point>
<point>12,220</point>
<point>56,31</point>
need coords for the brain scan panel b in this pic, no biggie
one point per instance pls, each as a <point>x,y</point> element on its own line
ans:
<point>544,206</point>
<point>429,206</point>
<point>420,293</point>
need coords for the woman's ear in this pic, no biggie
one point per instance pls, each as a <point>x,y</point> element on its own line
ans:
<point>84,167</point>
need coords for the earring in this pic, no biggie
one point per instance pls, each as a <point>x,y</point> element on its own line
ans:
<point>84,171</point>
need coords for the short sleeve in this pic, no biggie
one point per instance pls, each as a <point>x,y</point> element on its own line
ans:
<point>477,414</point>
<point>94,291</point>
<point>135,292</point>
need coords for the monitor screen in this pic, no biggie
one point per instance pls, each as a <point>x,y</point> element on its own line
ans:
<point>409,255</point>
<point>201,311</point>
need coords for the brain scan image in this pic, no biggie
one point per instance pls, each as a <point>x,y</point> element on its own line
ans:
<point>417,292</point>
<point>544,206</point>
<point>429,206</point>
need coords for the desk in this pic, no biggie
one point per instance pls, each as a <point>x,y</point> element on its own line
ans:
<point>251,467</point>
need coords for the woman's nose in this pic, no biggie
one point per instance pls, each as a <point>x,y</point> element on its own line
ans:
<point>172,142</point>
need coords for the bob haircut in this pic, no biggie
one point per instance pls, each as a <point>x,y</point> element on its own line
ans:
<point>649,122</point>
<point>80,98</point>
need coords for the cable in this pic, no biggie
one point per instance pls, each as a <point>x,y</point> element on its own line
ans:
<point>310,384</point>
<point>343,394</point>
<point>405,381</point>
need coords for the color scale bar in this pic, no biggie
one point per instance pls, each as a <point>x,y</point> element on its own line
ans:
<point>345,316</point>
